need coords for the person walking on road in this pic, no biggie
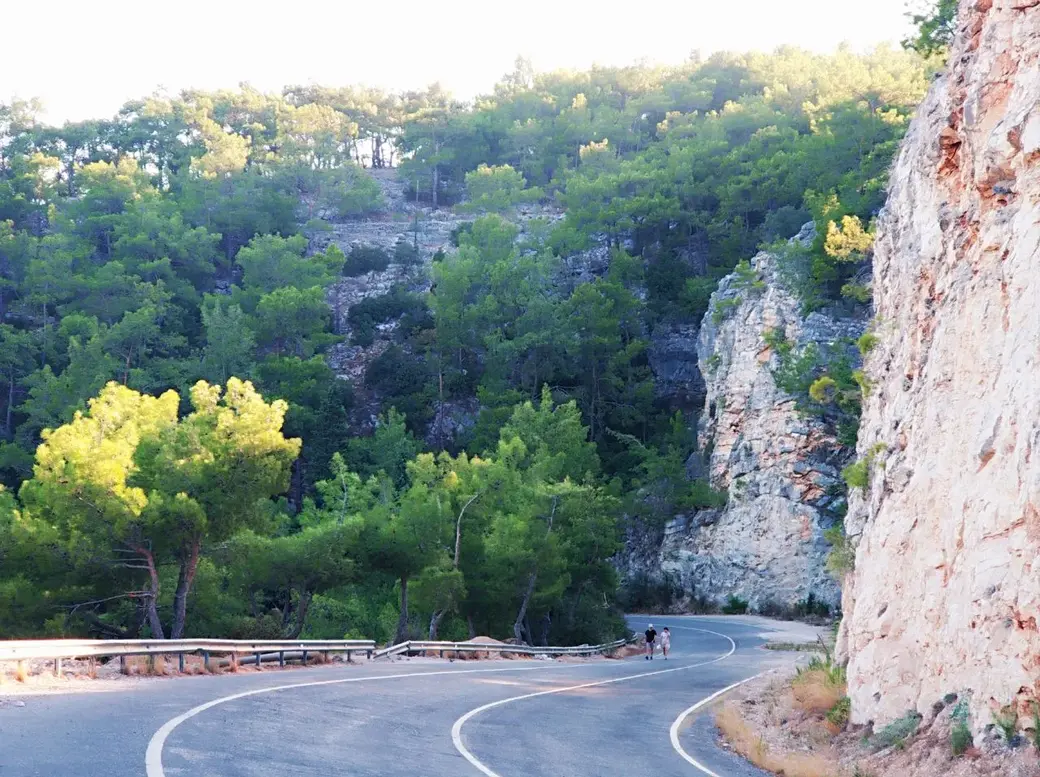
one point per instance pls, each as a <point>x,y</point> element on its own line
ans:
<point>666,641</point>
<point>650,635</point>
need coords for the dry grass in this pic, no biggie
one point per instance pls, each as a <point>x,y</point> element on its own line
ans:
<point>816,692</point>
<point>752,746</point>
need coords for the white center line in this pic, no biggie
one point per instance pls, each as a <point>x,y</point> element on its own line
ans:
<point>153,755</point>
<point>456,730</point>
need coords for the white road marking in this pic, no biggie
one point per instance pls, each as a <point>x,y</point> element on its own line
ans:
<point>153,755</point>
<point>456,730</point>
<point>673,733</point>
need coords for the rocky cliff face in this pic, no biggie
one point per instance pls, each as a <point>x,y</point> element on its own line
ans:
<point>945,596</point>
<point>779,467</point>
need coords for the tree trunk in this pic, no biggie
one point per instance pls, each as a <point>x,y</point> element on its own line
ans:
<point>521,616</point>
<point>8,431</point>
<point>301,615</point>
<point>518,624</point>
<point>402,619</point>
<point>189,566</point>
<point>153,596</point>
<point>435,622</point>
<point>436,172</point>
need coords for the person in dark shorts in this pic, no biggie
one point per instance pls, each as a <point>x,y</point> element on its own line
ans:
<point>650,635</point>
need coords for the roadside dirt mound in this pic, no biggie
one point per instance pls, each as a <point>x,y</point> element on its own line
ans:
<point>482,655</point>
<point>629,650</point>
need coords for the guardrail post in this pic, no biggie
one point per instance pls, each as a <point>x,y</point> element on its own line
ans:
<point>234,662</point>
<point>281,658</point>
<point>122,665</point>
<point>349,659</point>
<point>368,654</point>
<point>180,663</point>
<point>305,658</point>
<point>20,671</point>
<point>57,667</point>
<point>205,660</point>
<point>325,656</point>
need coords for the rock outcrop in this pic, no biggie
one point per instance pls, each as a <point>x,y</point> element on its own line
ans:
<point>780,467</point>
<point>945,596</point>
<point>673,359</point>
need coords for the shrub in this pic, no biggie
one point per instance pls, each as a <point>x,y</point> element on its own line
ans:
<point>404,382</point>
<point>351,192</point>
<point>696,296</point>
<point>367,314</point>
<point>811,607</point>
<point>457,232</point>
<point>497,188</point>
<point>857,474</point>
<point>823,390</point>
<point>842,558</point>
<point>735,605</point>
<point>1006,719</point>
<point>819,687</point>
<point>897,732</point>
<point>960,738</point>
<point>746,278</point>
<point>838,715</point>
<point>406,253</point>
<point>364,259</point>
<point>857,292</point>
<point>864,383</point>
<point>723,308</point>
<point>866,343</point>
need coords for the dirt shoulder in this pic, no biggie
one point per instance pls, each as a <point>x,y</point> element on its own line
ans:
<point>795,723</point>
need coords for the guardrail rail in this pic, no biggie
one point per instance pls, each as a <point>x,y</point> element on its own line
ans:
<point>62,649</point>
<point>259,651</point>
<point>420,646</point>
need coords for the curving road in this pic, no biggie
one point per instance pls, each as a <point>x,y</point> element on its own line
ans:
<point>418,718</point>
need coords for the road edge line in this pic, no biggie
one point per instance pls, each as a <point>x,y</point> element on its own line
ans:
<point>673,732</point>
<point>456,729</point>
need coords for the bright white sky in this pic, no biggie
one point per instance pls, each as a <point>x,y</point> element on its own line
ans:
<point>84,59</point>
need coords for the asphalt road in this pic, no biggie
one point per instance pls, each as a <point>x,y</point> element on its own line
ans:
<point>418,718</point>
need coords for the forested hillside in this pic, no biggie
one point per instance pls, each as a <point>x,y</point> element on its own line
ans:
<point>166,313</point>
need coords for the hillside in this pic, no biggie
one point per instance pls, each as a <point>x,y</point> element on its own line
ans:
<point>484,349</point>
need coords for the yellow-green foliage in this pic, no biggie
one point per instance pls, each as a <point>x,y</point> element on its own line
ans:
<point>857,474</point>
<point>866,343</point>
<point>823,389</point>
<point>850,242</point>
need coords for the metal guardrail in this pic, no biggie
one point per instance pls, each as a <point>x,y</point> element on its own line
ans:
<point>260,650</point>
<point>418,646</point>
<point>59,649</point>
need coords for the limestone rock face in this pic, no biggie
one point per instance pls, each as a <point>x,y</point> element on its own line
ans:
<point>780,469</point>
<point>779,466</point>
<point>945,596</point>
